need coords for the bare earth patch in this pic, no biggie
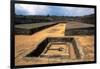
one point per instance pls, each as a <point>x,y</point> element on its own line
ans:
<point>24,44</point>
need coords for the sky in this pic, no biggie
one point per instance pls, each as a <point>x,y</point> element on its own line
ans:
<point>30,9</point>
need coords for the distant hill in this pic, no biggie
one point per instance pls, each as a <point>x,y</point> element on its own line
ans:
<point>20,19</point>
<point>90,19</point>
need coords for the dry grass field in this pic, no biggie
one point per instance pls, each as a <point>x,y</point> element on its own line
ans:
<point>24,44</point>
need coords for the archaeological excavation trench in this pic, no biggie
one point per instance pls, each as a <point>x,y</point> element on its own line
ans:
<point>63,46</point>
<point>50,44</point>
<point>57,47</point>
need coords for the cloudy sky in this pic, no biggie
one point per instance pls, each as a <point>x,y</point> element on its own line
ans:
<point>29,9</point>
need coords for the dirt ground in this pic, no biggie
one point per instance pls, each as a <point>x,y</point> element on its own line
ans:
<point>24,44</point>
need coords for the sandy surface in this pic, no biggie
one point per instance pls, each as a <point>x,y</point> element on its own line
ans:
<point>24,44</point>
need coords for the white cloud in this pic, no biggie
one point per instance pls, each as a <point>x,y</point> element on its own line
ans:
<point>32,9</point>
<point>76,11</point>
<point>44,10</point>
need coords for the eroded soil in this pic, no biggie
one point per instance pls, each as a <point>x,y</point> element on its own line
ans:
<point>24,44</point>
